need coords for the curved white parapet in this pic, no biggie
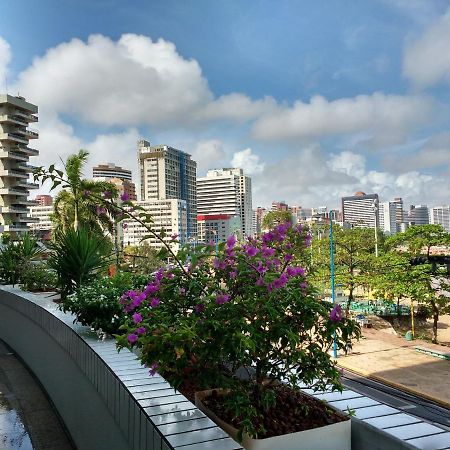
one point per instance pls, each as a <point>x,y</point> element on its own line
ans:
<point>106,400</point>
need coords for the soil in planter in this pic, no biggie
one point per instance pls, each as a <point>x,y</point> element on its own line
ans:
<point>293,412</point>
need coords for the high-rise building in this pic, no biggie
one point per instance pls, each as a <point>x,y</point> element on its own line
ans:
<point>118,176</point>
<point>168,215</point>
<point>44,200</point>
<point>440,215</point>
<point>399,213</point>
<point>15,116</point>
<point>217,227</point>
<point>167,173</point>
<point>110,170</point>
<point>226,191</point>
<point>280,206</point>
<point>388,217</point>
<point>418,215</point>
<point>42,213</point>
<point>360,210</point>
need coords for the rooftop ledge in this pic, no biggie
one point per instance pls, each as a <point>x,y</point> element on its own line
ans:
<point>108,401</point>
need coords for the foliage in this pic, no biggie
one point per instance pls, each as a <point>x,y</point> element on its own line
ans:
<point>74,206</point>
<point>273,218</point>
<point>432,281</point>
<point>142,258</point>
<point>78,257</point>
<point>353,248</point>
<point>38,278</point>
<point>16,257</point>
<point>246,306</point>
<point>97,304</point>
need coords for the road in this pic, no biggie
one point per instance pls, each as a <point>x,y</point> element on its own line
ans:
<point>408,403</point>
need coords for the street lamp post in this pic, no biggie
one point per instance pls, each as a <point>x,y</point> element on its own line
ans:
<point>333,296</point>
<point>375,209</point>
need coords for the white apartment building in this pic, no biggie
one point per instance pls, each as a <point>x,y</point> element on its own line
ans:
<point>170,215</point>
<point>440,215</point>
<point>226,191</point>
<point>110,170</point>
<point>360,210</point>
<point>217,227</point>
<point>388,217</point>
<point>167,173</point>
<point>15,116</point>
<point>42,214</point>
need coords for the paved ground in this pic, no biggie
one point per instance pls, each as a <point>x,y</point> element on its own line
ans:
<point>386,357</point>
<point>27,420</point>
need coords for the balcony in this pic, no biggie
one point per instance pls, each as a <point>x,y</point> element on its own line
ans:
<point>13,154</point>
<point>31,134</point>
<point>27,219</point>
<point>12,190</point>
<point>25,201</point>
<point>11,173</point>
<point>13,137</point>
<point>14,227</point>
<point>13,209</point>
<point>29,151</point>
<point>26,185</point>
<point>26,167</point>
<point>14,119</point>
<point>25,116</point>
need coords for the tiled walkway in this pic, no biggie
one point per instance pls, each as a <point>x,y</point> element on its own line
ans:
<point>27,421</point>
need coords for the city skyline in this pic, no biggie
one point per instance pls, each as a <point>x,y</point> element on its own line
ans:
<point>312,104</point>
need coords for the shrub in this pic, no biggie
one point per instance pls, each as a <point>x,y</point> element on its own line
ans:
<point>38,278</point>
<point>97,304</point>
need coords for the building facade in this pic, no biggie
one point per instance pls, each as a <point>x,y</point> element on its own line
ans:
<point>440,215</point>
<point>16,114</point>
<point>360,210</point>
<point>217,227</point>
<point>41,213</point>
<point>418,215</point>
<point>110,170</point>
<point>44,200</point>
<point>166,174</point>
<point>226,191</point>
<point>388,217</point>
<point>123,186</point>
<point>168,215</point>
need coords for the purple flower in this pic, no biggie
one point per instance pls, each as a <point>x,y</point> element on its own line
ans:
<point>222,298</point>
<point>299,228</point>
<point>132,338</point>
<point>140,330</point>
<point>336,313</point>
<point>280,282</point>
<point>125,196</point>
<point>308,239</point>
<point>259,282</point>
<point>153,368</point>
<point>137,318</point>
<point>251,251</point>
<point>107,194</point>
<point>231,241</point>
<point>174,236</point>
<point>303,285</point>
<point>151,288</point>
<point>288,257</point>
<point>267,252</point>
<point>233,274</point>
<point>182,291</point>
<point>155,302</point>
<point>199,308</point>
<point>294,271</point>
<point>124,226</point>
<point>216,263</point>
<point>86,193</point>
<point>100,210</point>
<point>267,237</point>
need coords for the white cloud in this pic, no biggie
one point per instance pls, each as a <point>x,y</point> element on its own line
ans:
<point>5,57</point>
<point>248,161</point>
<point>349,163</point>
<point>388,115</point>
<point>427,61</point>
<point>208,154</point>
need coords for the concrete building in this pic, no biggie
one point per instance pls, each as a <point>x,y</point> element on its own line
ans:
<point>110,170</point>
<point>170,215</point>
<point>42,214</point>
<point>440,215</point>
<point>226,191</point>
<point>166,174</point>
<point>44,200</point>
<point>388,217</point>
<point>15,116</point>
<point>217,227</point>
<point>360,210</point>
<point>123,186</point>
<point>118,176</point>
<point>280,206</point>
<point>418,215</point>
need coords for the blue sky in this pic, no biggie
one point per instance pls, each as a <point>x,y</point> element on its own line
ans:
<point>314,99</point>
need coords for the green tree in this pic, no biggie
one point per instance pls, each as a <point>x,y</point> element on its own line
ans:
<point>274,218</point>
<point>433,279</point>
<point>142,258</point>
<point>76,204</point>
<point>353,248</point>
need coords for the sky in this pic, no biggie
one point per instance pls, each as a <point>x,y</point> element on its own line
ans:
<point>314,99</point>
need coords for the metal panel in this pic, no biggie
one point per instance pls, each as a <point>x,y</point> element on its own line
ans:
<point>186,425</point>
<point>354,403</point>
<point>219,444</point>
<point>394,420</point>
<point>193,437</point>
<point>415,430</point>
<point>437,441</point>
<point>333,396</point>
<point>179,416</point>
<point>375,411</point>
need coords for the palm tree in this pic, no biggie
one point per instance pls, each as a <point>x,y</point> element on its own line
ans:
<point>76,205</point>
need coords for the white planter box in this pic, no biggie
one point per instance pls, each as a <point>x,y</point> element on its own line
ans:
<point>336,436</point>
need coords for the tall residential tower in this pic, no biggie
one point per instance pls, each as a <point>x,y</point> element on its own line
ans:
<point>226,191</point>
<point>15,116</point>
<point>167,173</point>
